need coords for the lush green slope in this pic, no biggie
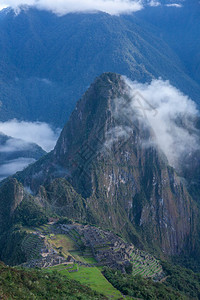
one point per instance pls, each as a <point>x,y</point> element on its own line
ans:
<point>179,283</point>
<point>93,278</point>
<point>35,284</point>
<point>20,284</point>
<point>17,209</point>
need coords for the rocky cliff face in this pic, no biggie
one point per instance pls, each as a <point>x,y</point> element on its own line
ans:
<point>11,195</point>
<point>110,158</point>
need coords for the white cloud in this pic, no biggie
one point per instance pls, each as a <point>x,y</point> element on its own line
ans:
<point>166,111</point>
<point>12,166</point>
<point>31,132</point>
<point>115,134</point>
<point>154,3</point>
<point>174,5</point>
<point>62,7</point>
<point>21,135</point>
<point>2,6</point>
<point>14,145</point>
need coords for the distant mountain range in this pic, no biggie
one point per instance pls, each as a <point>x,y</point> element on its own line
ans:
<point>49,61</point>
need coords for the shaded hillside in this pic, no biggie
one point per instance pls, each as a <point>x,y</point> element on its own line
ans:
<point>180,28</point>
<point>17,206</point>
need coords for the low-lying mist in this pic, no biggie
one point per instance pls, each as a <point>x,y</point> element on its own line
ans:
<point>33,132</point>
<point>21,143</point>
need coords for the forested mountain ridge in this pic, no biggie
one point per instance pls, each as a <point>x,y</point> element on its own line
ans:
<point>58,57</point>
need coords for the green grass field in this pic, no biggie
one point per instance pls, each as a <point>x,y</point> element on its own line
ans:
<point>68,247</point>
<point>89,259</point>
<point>62,241</point>
<point>92,277</point>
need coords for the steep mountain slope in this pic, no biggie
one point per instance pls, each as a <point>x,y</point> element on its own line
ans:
<point>17,206</point>
<point>17,209</point>
<point>11,196</point>
<point>126,181</point>
<point>180,28</point>
<point>48,57</point>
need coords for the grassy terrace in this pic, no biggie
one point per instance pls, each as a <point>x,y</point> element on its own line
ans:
<point>63,243</point>
<point>31,246</point>
<point>146,268</point>
<point>69,245</point>
<point>91,277</point>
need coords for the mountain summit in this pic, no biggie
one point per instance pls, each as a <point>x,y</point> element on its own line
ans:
<point>108,161</point>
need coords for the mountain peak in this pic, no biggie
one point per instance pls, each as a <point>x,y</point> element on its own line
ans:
<point>92,112</point>
<point>113,164</point>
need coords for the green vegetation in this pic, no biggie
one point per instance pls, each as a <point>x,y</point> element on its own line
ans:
<point>11,251</point>
<point>93,278</point>
<point>179,283</point>
<point>28,213</point>
<point>145,267</point>
<point>62,243</point>
<point>17,246</point>
<point>183,280</point>
<point>64,267</point>
<point>64,220</point>
<point>140,287</point>
<point>89,259</point>
<point>31,246</point>
<point>63,200</point>
<point>71,244</point>
<point>37,284</point>
<point>21,243</point>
